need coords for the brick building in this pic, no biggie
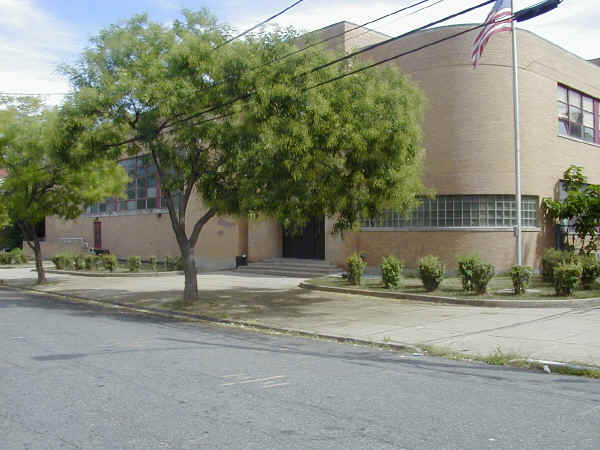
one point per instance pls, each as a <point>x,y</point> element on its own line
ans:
<point>468,139</point>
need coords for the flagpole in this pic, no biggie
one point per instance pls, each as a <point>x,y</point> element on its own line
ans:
<point>517,141</point>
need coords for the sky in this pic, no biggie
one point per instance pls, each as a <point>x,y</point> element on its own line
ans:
<point>38,35</point>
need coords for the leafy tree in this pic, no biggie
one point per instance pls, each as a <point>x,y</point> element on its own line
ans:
<point>581,206</point>
<point>39,183</point>
<point>249,137</point>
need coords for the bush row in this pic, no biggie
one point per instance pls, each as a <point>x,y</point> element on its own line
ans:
<point>15,256</point>
<point>474,273</point>
<point>565,270</point>
<point>110,263</point>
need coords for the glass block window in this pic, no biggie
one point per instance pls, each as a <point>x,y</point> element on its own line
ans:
<point>462,211</point>
<point>577,115</point>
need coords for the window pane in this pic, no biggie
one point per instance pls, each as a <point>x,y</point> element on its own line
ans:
<point>588,103</point>
<point>575,122</point>
<point>151,203</point>
<point>574,99</point>
<point>562,94</point>
<point>588,134</point>
<point>588,119</point>
<point>563,110</point>
<point>141,204</point>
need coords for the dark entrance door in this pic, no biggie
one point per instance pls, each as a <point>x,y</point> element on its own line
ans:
<point>97,234</point>
<point>309,244</point>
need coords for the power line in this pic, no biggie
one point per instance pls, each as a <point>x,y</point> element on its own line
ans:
<point>395,38</point>
<point>322,66</point>
<point>383,61</point>
<point>258,24</point>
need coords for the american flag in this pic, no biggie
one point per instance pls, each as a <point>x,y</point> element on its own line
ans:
<point>499,19</point>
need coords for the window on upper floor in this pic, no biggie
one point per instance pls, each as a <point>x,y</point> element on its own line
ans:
<point>143,192</point>
<point>577,115</point>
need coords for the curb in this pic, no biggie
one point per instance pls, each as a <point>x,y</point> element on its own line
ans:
<point>417,351</point>
<point>115,274</point>
<point>460,301</point>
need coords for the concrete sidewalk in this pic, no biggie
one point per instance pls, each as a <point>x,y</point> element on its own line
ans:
<point>559,334</point>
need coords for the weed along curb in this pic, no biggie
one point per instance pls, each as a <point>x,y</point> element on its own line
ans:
<point>575,303</point>
<point>115,274</point>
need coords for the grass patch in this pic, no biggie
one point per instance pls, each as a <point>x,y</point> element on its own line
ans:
<point>500,287</point>
<point>509,359</point>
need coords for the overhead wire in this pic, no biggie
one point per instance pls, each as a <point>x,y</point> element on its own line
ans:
<point>258,24</point>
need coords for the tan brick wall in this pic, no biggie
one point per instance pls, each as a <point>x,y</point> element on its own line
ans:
<point>468,137</point>
<point>265,239</point>
<point>146,235</point>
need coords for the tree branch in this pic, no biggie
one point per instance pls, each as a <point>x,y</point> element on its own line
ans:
<point>200,224</point>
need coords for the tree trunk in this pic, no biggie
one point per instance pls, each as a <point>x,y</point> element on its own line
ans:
<point>37,250</point>
<point>190,292</point>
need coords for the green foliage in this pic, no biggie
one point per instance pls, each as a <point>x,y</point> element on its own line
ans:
<point>10,236</point>
<point>391,271</point>
<point>566,276</point>
<point>17,256</point>
<point>154,263</point>
<point>590,270</point>
<point>431,271</point>
<point>63,261</point>
<point>170,263</point>
<point>4,258</point>
<point>466,263</point>
<point>581,206</point>
<point>347,150</point>
<point>482,274</point>
<point>553,258</point>
<point>79,262</point>
<point>43,179</point>
<point>356,268</point>
<point>134,263</point>
<point>520,276</point>
<point>91,262</point>
<point>110,262</point>
<point>59,262</point>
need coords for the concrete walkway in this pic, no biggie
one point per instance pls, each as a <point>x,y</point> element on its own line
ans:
<point>559,334</point>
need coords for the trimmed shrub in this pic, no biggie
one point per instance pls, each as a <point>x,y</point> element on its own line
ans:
<point>134,263</point>
<point>391,271</point>
<point>169,263</point>
<point>63,261</point>
<point>566,277</point>
<point>79,262</point>
<point>17,256</point>
<point>482,274</point>
<point>553,258</point>
<point>4,258</point>
<point>431,272</point>
<point>91,262</point>
<point>590,270</point>
<point>154,263</point>
<point>356,267</point>
<point>466,263</point>
<point>520,276</point>
<point>110,262</point>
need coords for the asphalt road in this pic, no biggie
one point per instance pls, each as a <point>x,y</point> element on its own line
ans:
<point>74,376</point>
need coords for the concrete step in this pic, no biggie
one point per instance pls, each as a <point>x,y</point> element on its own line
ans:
<point>282,273</point>
<point>291,267</point>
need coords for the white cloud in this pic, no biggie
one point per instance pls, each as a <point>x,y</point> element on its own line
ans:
<point>32,44</point>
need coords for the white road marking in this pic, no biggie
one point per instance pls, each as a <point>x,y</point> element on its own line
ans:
<point>256,380</point>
